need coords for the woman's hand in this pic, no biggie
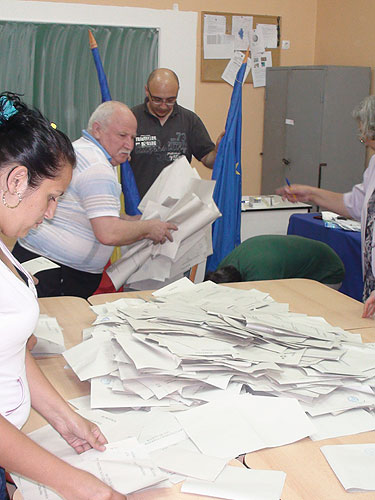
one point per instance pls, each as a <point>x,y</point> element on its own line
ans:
<point>296,193</point>
<point>81,485</point>
<point>80,433</point>
<point>369,308</point>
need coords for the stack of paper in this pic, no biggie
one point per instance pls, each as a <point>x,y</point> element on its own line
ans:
<point>197,343</point>
<point>180,196</point>
<point>342,222</point>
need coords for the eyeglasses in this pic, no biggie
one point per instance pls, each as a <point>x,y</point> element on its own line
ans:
<point>168,101</point>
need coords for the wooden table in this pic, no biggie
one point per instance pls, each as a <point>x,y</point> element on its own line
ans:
<point>72,313</point>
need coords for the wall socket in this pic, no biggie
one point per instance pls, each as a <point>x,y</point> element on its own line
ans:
<point>285,44</point>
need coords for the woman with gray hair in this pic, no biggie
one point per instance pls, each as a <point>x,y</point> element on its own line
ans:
<point>358,204</point>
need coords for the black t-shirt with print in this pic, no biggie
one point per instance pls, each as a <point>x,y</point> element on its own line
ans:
<point>156,145</point>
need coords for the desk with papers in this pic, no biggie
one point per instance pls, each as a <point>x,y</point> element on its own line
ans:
<point>308,473</point>
<point>347,245</point>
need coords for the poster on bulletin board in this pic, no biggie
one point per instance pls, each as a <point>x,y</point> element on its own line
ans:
<point>225,39</point>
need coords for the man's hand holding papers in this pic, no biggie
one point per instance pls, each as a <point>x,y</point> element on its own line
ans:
<point>179,197</point>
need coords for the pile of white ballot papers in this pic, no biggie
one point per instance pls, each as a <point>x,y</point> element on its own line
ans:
<point>182,383</point>
<point>193,344</point>
<point>180,196</point>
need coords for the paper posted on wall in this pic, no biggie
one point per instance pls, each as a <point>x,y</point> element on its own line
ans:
<point>180,196</point>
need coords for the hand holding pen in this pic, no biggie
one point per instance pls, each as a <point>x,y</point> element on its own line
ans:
<point>290,187</point>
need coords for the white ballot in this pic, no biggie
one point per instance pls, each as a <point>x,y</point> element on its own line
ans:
<point>236,483</point>
<point>245,423</point>
<point>178,195</point>
<point>50,339</point>
<point>33,266</point>
<point>353,464</point>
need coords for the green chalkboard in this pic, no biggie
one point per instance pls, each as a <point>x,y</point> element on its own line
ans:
<point>52,66</point>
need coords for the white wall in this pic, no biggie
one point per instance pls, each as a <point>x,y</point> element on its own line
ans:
<point>177,40</point>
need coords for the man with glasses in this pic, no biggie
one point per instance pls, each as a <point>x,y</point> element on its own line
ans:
<point>166,131</point>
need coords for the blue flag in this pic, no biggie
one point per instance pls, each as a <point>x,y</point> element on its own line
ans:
<point>226,231</point>
<point>129,186</point>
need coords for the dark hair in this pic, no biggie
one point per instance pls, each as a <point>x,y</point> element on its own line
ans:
<point>226,274</point>
<point>29,139</point>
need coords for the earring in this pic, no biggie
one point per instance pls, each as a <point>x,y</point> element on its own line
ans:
<point>11,206</point>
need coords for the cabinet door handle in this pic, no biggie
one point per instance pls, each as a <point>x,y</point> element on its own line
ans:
<point>285,161</point>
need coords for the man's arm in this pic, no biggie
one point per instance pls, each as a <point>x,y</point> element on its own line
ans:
<point>209,159</point>
<point>116,231</point>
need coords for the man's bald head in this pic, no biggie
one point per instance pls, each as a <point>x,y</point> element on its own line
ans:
<point>163,75</point>
<point>114,126</point>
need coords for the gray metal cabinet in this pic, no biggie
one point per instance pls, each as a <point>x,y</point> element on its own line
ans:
<point>310,136</point>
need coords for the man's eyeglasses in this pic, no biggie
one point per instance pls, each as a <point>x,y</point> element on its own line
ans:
<point>168,101</point>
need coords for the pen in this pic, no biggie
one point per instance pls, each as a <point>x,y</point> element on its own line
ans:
<point>287,181</point>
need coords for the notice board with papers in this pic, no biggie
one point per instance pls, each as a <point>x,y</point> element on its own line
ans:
<point>212,68</point>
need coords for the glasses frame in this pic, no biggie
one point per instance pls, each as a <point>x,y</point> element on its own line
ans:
<point>162,100</point>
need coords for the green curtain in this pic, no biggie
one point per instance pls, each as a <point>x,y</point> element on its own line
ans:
<point>52,66</point>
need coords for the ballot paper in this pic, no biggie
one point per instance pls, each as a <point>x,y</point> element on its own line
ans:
<point>343,424</point>
<point>245,423</point>
<point>33,266</point>
<point>179,196</point>
<point>353,464</point>
<point>125,465</point>
<point>49,336</point>
<point>193,344</point>
<point>236,483</point>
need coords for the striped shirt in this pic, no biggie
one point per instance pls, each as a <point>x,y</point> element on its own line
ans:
<point>94,191</point>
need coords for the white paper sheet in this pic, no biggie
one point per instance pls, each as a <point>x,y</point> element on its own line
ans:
<point>236,483</point>
<point>353,464</point>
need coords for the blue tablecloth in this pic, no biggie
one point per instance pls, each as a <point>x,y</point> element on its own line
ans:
<point>347,244</point>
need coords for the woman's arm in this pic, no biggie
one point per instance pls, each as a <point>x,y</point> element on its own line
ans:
<point>76,430</point>
<point>21,455</point>
<point>321,197</point>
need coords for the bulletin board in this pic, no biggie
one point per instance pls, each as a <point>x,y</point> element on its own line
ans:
<point>212,69</point>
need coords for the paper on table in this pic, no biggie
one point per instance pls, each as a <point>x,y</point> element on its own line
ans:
<point>50,339</point>
<point>92,358</point>
<point>188,463</point>
<point>236,483</point>
<point>344,424</point>
<point>353,464</point>
<point>245,423</point>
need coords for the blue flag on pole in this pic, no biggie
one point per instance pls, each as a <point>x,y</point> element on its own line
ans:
<point>129,186</point>
<point>226,231</point>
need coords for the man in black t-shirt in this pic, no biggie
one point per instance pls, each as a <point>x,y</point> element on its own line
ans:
<point>166,131</point>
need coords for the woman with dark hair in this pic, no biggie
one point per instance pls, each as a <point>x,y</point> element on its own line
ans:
<point>357,204</point>
<point>36,162</point>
